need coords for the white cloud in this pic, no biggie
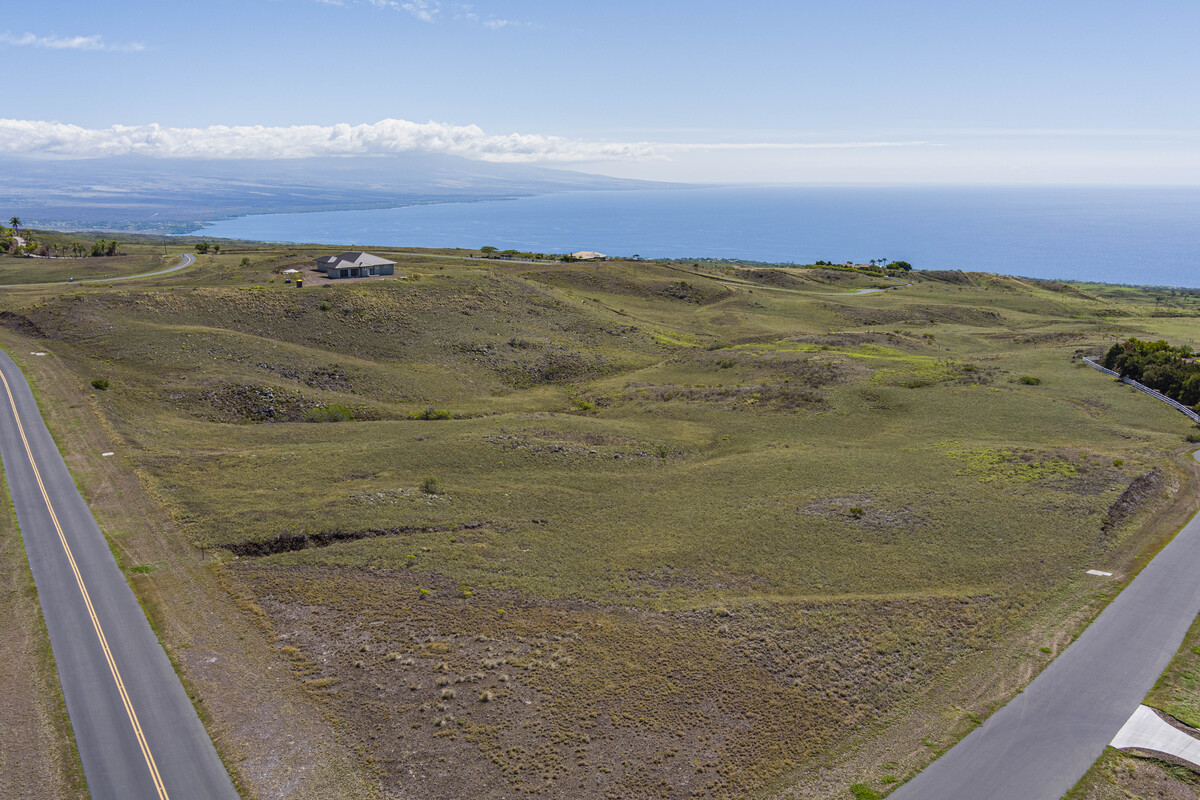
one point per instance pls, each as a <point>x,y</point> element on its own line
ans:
<point>95,42</point>
<point>59,140</point>
<point>432,11</point>
<point>499,24</point>
<point>426,12</point>
<point>54,139</point>
<point>764,146</point>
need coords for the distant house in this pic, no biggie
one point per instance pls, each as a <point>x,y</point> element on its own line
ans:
<point>589,255</point>
<point>355,264</point>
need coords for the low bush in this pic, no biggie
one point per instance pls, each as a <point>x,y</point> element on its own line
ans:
<point>334,412</point>
<point>431,413</point>
<point>101,384</point>
<point>863,792</point>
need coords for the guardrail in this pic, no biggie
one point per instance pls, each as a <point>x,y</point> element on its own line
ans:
<point>1141,387</point>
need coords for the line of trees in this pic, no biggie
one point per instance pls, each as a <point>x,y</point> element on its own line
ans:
<point>1174,371</point>
<point>9,237</point>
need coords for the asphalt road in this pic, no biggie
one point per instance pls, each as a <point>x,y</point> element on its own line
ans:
<point>137,732</point>
<point>1039,745</point>
<point>185,261</point>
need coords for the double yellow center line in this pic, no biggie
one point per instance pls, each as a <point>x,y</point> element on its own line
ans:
<point>87,601</point>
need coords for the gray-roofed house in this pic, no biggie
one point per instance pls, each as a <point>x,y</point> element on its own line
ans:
<point>355,264</point>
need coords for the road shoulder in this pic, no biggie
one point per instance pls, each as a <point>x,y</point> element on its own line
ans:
<point>42,760</point>
<point>264,728</point>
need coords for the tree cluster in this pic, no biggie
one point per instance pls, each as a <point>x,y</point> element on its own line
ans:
<point>1173,371</point>
<point>104,247</point>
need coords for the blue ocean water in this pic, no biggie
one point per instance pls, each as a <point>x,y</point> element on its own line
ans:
<point>1138,235</point>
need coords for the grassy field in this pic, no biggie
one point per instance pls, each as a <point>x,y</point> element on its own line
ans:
<point>636,529</point>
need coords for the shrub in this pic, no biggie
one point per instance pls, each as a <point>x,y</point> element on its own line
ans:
<point>431,413</point>
<point>1029,380</point>
<point>101,384</point>
<point>326,305</point>
<point>1118,462</point>
<point>431,486</point>
<point>1193,437</point>
<point>334,412</point>
<point>863,792</point>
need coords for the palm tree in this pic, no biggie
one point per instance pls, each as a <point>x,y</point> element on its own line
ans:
<point>16,224</point>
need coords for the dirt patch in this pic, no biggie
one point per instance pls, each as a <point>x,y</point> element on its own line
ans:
<point>765,397</point>
<point>600,446</point>
<point>1142,488</point>
<point>21,324</point>
<point>864,512</point>
<point>330,379</point>
<point>701,295</point>
<point>244,403</point>
<point>865,315</point>
<point>562,366</point>
<point>290,541</point>
<point>452,693</point>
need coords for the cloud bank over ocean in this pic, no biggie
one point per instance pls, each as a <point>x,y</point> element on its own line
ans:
<point>32,138</point>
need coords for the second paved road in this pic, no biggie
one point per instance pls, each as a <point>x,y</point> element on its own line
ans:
<point>1039,745</point>
<point>138,735</point>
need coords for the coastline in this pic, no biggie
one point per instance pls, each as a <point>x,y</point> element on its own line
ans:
<point>1123,235</point>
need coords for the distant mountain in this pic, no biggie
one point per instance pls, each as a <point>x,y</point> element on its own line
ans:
<point>135,193</point>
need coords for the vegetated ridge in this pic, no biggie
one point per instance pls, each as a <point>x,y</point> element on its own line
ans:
<point>631,529</point>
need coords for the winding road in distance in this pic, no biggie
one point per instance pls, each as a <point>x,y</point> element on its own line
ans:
<point>1039,745</point>
<point>137,733</point>
<point>185,261</point>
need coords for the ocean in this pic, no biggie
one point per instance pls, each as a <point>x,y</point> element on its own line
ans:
<point>1136,235</point>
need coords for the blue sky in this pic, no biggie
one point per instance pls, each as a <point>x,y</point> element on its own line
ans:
<point>805,91</point>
